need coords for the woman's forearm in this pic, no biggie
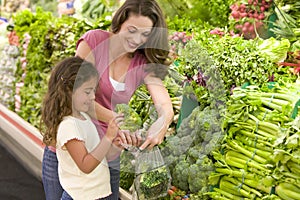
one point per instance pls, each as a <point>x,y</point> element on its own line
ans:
<point>100,113</point>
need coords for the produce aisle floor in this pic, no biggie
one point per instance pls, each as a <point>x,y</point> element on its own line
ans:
<point>16,183</point>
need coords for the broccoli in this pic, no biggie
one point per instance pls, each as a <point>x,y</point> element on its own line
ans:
<point>181,172</point>
<point>127,170</point>
<point>199,173</point>
<point>198,135</point>
<point>132,121</point>
<point>154,183</point>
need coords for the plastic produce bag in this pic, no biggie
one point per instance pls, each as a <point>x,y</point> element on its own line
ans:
<point>153,177</point>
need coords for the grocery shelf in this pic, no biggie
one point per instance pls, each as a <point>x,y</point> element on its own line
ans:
<point>24,142</point>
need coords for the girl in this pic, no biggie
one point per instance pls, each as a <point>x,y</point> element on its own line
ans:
<point>82,166</point>
<point>134,52</point>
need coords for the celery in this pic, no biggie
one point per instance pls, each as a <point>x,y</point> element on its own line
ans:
<point>242,164</point>
<point>227,194</point>
<point>234,145</point>
<point>260,131</point>
<point>243,185</point>
<point>262,124</point>
<point>252,135</point>
<point>245,159</point>
<point>288,191</point>
<point>278,102</point>
<point>256,184</point>
<point>286,96</point>
<point>235,188</point>
<point>255,143</point>
<point>236,173</point>
<point>293,167</point>
<point>262,153</point>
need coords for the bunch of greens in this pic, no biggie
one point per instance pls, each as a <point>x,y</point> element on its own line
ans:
<point>205,82</point>
<point>287,23</point>
<point>132,120</point>
<point>215,12</point>
<point>127,170</point>
<point>275,49</point>
<point>153,184</point>
<point>92,10</point>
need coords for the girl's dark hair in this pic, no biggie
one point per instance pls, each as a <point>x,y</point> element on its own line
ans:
<point>156,49</point>
<point>66,76</point>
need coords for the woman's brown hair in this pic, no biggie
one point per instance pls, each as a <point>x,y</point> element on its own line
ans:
<point>156,49</point>
<point>66,76</point>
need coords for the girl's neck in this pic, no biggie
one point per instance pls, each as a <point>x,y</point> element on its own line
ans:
<point>78,115</point>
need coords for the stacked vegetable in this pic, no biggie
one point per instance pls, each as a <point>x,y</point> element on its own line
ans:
<point>259,157</point>
<point>188,152</point>
<point>287,20</point>
<point>249,18</point>
<point>9,52</point>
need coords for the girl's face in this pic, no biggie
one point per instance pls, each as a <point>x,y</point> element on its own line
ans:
<point>84,96</point>
<point>135,31</point>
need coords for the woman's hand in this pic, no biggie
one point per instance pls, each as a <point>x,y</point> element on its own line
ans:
<point>155,134</point>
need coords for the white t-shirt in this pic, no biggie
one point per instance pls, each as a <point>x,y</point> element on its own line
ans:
<point>77,184</point>
<point>118,86</point>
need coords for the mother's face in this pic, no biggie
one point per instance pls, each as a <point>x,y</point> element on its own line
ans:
<point>135,32</point>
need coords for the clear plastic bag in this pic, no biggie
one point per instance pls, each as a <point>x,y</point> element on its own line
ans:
<point>153,177</point>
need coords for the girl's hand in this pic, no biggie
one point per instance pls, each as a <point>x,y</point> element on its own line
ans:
<point>118,142</point>
<point>113,127</point>
<point>130,139</point>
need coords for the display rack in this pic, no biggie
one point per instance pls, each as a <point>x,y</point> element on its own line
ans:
<point>24,142</point>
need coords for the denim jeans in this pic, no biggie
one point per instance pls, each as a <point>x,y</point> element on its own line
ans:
<point>52,187</point>
<point>114,169</point>
<point>66,196</point>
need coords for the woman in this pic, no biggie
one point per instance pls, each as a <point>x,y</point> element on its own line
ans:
<point>134,52</point>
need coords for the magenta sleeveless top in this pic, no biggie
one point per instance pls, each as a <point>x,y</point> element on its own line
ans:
<point>106,95</point>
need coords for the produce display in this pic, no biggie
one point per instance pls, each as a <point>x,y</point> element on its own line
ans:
<point>241,140</point>
<point>260,154</point>
<point>8,66</point>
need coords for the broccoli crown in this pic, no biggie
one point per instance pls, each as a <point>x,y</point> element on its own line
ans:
<point>132,120</point>
<point>189,150</point>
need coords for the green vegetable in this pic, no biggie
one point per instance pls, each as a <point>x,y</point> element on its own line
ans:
<point>153,184</point>
<point>132,120</point>
<point>288,191</point>
<point>275,49</point>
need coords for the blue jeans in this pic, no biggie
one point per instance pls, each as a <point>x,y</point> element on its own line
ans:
<point>52,187</point>
<point>66,196</point>
<point>114,169</point>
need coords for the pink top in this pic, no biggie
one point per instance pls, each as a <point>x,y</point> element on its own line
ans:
<point>106,95</point>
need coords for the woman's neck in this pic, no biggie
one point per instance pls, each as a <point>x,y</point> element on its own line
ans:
<point>116,49</point>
